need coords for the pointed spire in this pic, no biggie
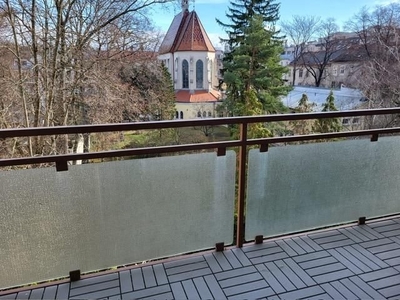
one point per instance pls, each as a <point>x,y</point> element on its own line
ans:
<point>185,5</point>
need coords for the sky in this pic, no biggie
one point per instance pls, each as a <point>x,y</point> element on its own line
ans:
<point>209,10</point>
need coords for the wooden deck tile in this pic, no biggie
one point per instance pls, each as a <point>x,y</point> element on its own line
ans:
<point>137,279</point>
<point>285,247</point>
<point>366,288</point>
<point>280,277</point>
<point>239,280</point>
<point>256,294</point>
<point>311,243</point>
<point>212,263</point>
<point>235,273</point>
<point>50,292</point>
<point>214,287</point>
<point>349,265</point>
<point>241,257</point>
<point>149,278</point>
<point>311,256</point>
<point>125,281</point>
<point>299,272</point>
<point>385,282</point>
<point>234,262</point>
<point>63,291</point>
<point>178,291</point>
<point>98,294</point>
<point>222,261</point>
<point>318,262</point>
<point>190,290</point>
<point>150,292</point>
<point>384,273</point>
<point>347,294</point>
<point>245,287</point>
<point>268,258</point>
<point>93,280</point>
<point>303,293</point>
<point>304,245</point>
<point>91,288</point>
<point>23,295</point>
<point>202,288</point>
<point>37,294</point>
<point>270,279</point>
<point>331,291</point>
<point>354,289</point>
<point>295,247</point>
<point>325,269</point>
<point>333,276</point>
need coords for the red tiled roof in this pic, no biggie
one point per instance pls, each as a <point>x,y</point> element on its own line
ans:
<point>197,96</point>
<point>186,33</point>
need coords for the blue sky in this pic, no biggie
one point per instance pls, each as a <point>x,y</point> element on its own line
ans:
<point>208,10</point>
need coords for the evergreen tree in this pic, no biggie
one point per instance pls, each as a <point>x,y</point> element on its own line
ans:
<point>328,124</point>
<point>254,73</point>
<point>241,12</point>
<point>303,127</point>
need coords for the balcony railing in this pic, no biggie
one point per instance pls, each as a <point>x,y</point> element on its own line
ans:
<point>99,215</point>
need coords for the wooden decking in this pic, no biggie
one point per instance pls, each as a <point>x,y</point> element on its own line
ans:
<point>356,262</point>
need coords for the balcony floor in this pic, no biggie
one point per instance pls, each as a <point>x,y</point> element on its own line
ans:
<point>354,262</point>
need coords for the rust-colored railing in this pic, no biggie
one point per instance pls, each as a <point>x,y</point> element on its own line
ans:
<point>61,161</point>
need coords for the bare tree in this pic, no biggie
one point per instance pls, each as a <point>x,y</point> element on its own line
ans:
<point>316,61</point>
<point>299,31</point>
<point>379,74</point>
<point>65,54</point>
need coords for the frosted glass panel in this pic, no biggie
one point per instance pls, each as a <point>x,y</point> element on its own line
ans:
<point>101,215</point>
<point>293,188</point>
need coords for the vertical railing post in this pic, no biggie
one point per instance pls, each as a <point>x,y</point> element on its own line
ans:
<point>242,162</point>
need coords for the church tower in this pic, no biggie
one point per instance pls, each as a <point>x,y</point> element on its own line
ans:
<point>189,55</point>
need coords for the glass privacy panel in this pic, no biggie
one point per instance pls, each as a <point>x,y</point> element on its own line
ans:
<point>293,188</point>
<point>102,215</point>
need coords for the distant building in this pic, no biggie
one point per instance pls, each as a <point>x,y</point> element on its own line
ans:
<point>191,59</point>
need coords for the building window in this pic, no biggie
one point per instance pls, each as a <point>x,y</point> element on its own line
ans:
<point>204,114</point>
<point>199,114</point>
<point>346,121</point>
<point>199,74</point>
<point>307,73</point>
<point>209,114</point>
<point>181,114</point>
<point>334,71</point>
<point>356,120</point>
<point>176,115</point>
<point>301,73</point>
<point>333,84</point>
<point>185,74</point>
<point>341,70</point>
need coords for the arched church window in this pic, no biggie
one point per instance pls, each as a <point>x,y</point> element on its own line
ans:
<point>204,114</point>
<point>185,74</point>
<point>176,115</point>
<point>199,114</point>
<point>181,114</point>
<point>199,74</point>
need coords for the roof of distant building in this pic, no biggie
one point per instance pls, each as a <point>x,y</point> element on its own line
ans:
<point>186,33</point>
<point>345,98</point>
<point>197,96</point>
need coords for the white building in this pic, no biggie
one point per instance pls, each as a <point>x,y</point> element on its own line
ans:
<point>190,57</point>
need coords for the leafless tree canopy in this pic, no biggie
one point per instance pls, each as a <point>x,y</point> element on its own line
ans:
<point>60,61</point>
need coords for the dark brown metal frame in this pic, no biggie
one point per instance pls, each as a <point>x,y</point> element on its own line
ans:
<point>242,143</point>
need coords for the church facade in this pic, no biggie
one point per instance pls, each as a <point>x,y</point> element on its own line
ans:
<point>190,57</point>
